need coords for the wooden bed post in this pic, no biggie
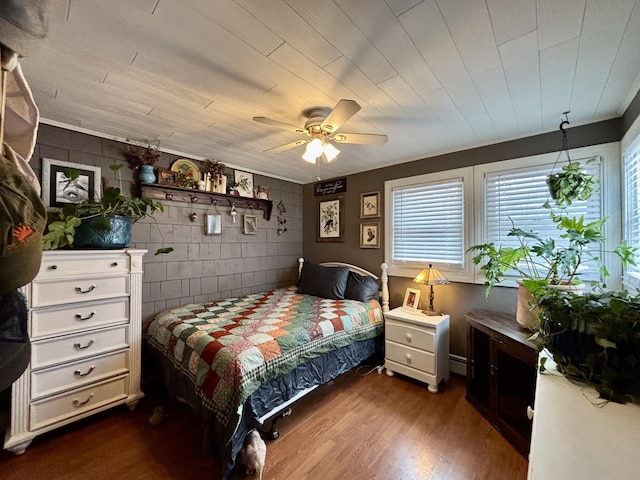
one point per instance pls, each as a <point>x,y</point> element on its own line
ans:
<point>384,284</point>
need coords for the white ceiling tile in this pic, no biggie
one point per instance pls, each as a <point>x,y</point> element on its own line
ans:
<point>512,18</point>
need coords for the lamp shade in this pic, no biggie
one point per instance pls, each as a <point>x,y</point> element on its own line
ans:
<point>430,276</point>
<point>330,151</point>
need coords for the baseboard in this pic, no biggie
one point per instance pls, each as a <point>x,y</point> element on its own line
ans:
<point>458,365</point>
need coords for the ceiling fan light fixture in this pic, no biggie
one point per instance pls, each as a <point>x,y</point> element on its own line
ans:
<point>330,152</point>
<point>313,150</point>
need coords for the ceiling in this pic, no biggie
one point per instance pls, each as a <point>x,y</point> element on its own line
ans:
<point>435,76</point>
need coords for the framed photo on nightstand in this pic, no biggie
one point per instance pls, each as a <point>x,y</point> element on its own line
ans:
<point>411,300</point>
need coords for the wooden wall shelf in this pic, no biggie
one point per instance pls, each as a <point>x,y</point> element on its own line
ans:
<point>188,195</point>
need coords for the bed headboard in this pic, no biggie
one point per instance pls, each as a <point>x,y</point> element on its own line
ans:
<point>384,278</point>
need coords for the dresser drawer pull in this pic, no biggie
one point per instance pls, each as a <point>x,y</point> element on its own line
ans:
<point>78,373</point>
<point>77,346</point>
<point>80,317</point>
<point>91,289</point>
<point>408,357</point>
<point>114,264</point>
<point>53,267</point>
<point>78,403</point>
<point>408,337</point>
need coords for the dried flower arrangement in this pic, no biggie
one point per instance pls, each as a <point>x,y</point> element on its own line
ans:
<point>213,168</point>
<point>137,155</point>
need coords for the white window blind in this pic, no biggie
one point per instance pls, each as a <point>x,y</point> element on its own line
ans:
<point>428,223</point>
<point>632,211</point>
<point>515,198</point>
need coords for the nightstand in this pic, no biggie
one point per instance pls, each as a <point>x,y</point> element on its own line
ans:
<point>417,345</point>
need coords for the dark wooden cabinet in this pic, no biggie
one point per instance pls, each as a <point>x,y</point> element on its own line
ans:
<point>501,374</point>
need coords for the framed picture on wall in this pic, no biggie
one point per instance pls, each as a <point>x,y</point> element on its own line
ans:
<point>67,182</point>
<point>167,177</point>
<point>250,225</point>
<point>370,235</point>
<point>330,222</point>
<point>370,205</point>
<point>213,224</point>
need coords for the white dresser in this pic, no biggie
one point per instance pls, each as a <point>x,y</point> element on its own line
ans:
<point>417,345</point>
<point>85,327</point>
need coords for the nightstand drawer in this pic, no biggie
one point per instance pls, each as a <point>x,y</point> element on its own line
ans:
<point>73,375</point>
<point>75,347</point>
<point>409,335</point>
<point>78,317</point>
<point>80,289</point>
<point>411,357</point>
<point>77,402</point>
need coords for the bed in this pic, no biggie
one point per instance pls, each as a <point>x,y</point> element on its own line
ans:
<point>242,361</point>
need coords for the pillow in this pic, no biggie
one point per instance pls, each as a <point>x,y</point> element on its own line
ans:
<point>321,281</point>
<point>361,287</point>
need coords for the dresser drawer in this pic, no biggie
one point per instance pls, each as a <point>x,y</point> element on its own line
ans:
<point>52,380</point>
<point>78,316</point>
<point>410,357</point>
<point>63,264</point>
<point>77,402</point>
<point>409,335</point>
<point>74,347</point>
<point>78,289</point>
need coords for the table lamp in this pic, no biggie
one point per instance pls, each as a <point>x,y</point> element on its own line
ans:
<point>430,276</point>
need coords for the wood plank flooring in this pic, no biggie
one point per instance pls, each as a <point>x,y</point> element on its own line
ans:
<point>361,426</point>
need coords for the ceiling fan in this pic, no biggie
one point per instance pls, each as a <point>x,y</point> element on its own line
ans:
<point>321,129</point>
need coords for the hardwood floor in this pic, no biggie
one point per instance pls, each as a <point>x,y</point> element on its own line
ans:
<point>362,426</point>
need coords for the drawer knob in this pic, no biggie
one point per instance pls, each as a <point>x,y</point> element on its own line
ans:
<point>408,357</point>
<point>114,264</point>
<point>53,267</point>
<point>408,337</point>
<point>78,373</point>
<point>78,346</point>
<point>80,317</point>
<point>78,403</point>
<point>90,289</point>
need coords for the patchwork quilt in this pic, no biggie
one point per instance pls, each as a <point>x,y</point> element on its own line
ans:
<point>229,348</point>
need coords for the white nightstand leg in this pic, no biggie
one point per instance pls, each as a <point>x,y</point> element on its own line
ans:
<point>389,372</point>
<point>432,388</point>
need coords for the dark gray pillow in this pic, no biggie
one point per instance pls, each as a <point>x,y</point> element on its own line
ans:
<point>361,287</point>
<point>321,281</point>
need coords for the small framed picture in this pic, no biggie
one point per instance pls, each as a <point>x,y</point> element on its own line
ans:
<point>370,235</point>
<point>370,205</point>
<point>167,177</point>
<point>244,182</point>
<point>213,224</point>
<point>262,191</point>
<point>250,224</point>
<point>411,300</point>
<point>61,185</point>
<point>330,226</point>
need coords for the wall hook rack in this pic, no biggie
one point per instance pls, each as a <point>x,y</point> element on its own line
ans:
<point>177,194</point>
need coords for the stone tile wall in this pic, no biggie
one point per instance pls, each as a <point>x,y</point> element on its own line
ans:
<point>201,267</point>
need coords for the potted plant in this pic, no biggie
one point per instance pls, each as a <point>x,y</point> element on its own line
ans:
<point>594,338</point>
<point>143,159</point>
<point>215,171</point>
<point>571,183</point>
<point>102,223</point>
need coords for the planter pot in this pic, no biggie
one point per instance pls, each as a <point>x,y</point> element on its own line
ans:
<point>146,174</point>
<point>528,317</point>
<point>119,236</point>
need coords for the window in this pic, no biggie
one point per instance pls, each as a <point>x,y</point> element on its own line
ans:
<point>631,178</point>
<point>427,223</point>
<point>513,198</point>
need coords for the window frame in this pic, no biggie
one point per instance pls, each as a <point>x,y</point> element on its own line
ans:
<point>630,144</point>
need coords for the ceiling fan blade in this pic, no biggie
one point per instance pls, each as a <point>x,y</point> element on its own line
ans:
<point>278,124</point>
<point>361,138</point>
<point>282,148</point>
<point>343,111</point>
